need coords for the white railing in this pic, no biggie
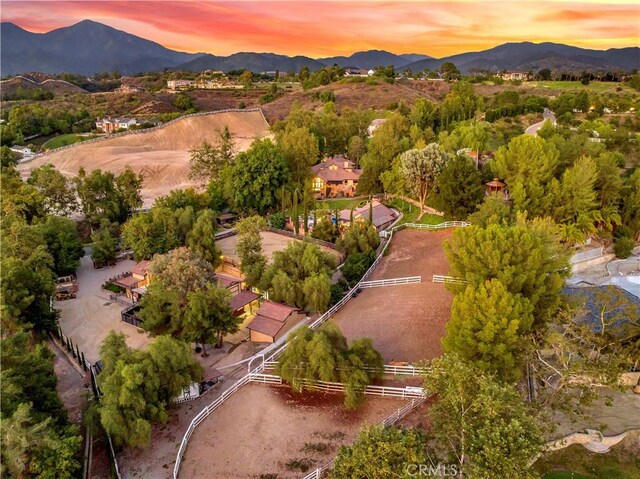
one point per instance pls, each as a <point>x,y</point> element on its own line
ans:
<point>438,278</point>
<point>370,390</point>
<point>390,282</point>
<point>265,378</point>
<point>280,349</point>
<point>389,369</point>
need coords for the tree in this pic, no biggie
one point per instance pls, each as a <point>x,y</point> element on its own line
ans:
<point>381,452</point>
<point>201,239</point>
<point>424,114</point>
<point>526,259</point>
<point>156,232</point>
<point>295,271</point>
<point>420,169</point>
<point>103,248</point>
<point>299,148</point>
<point>209,316</point>
<point>544,74</point>
<point>356,148</point>
<point>488,328</point>
<point>527,165</point>
<point>356,265</point>
<point>246,78</point>
<point>323,355</point>
<point>61,237</point>
<point>630,210</point>
<point>449,71</point>
<point>483,426</point>
<point>7,158</point>
<point>137,385</point>
<point>249,249</point>
<point>587,347</point>
<point>207,161</point>
<point>258,175</point>
<point>359,238</point>
<point>493,211</point>
<point>459,187</point>
<point>325,230</point>
<point>59,196</point>
<point>103,195</point>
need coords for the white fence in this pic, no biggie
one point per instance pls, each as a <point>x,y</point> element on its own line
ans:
<point>370,390</point>
<point>389,369</point>
<point>277,352</point>
<point>438,278</point>
<point>390,282</point>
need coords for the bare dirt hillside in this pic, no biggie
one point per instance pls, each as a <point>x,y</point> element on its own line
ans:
<point>162,155</point>
<point>34,80</point>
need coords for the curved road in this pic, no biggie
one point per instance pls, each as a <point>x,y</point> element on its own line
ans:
<point>546,115</point>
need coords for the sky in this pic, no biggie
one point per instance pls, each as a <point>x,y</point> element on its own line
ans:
<point>328,28</point>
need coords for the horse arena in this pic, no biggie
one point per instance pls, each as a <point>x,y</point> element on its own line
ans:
<point>406,322</point>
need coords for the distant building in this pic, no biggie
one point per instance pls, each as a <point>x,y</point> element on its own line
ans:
<point>381,215</point>
<point>375,124</point>
<point>335,176</point>
<point>496,187</point>
<point>109,125</point>
<point>179,84</point>
<point>23,150</point>
<point>129,89</point>
<point>506,75</point>
<point>356,72</point>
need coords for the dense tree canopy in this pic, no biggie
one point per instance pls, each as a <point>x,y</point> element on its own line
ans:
<point>138,385</point>
<point>459,187</point>
<point>324,355</point>
<point>57,191</point>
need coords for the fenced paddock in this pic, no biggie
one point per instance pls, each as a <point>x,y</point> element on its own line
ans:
<point>274,354</point>
<point>390,282</point>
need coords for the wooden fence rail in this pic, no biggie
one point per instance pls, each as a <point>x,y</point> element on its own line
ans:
<point>390,282</point>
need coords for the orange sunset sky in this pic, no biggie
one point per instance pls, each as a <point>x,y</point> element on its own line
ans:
<point>328,28</point>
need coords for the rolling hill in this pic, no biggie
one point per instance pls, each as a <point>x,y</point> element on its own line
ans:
<point>374,58</point>
<point>256,62</point>
<point>535,56</point>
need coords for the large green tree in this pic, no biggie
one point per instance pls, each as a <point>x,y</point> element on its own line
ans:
<point>526,259</point>
<point>459,187</point>
<point>57,191</point>
<point>382,452</point>
<point>489,327</point>
<point>300,150</point>
<point>61,236</point>
<point>138,385</point>
<point>249,249</point>
<point>324,355</point>
<point>420,168</point>
<point>209,316</point>
<point>257,177</point>
<point>482,426</point>
<point>207,161</point>
<point>201,239</point>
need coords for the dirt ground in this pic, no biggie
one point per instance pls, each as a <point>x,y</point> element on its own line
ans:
<point>262,428</point>
<point>406,322</point>
<point>90,317</point>
<point>271,242</point>
<point>162,156</point>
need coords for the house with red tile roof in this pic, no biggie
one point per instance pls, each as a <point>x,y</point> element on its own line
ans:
<point>336,176</point>
<point>382,215</point>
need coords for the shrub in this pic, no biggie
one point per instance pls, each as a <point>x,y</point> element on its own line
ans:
<point>277,220</point>
<point>357,265</point>
<point>623,247</point>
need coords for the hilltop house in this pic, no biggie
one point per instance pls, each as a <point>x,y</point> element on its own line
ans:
<point>375,124</point>
<point>273,320</point>
<point>109,125</point>
<point>507,75</point>
<point>356,72</point>
<point>335,176</point>
<point>382,216</point>
<point>179,84</point>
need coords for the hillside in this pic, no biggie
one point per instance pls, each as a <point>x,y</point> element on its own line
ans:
<point>256,62</point>
<point>162,155</point>
<point>74,49</point>
<point>37,80</point>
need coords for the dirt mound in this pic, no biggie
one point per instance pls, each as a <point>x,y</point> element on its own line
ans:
<point>161,155</point>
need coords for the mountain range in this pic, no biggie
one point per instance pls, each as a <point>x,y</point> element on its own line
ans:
<point>90,47</point>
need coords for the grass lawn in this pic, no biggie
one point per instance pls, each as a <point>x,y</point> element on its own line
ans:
<point>622,462</point>
<point>411,212</point>
<point>64,140</point>
<point>340,203</point>
<point>576,85</point>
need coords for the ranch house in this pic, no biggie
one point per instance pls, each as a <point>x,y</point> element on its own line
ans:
<point>334,177</point>
<point>109,125</point>
<point>272,320</point>
<point>523,76</point>
<point>382,216</point>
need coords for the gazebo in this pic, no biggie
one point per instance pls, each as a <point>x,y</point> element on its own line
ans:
<point>495,187</point>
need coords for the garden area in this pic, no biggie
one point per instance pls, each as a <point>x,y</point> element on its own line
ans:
<point>64,140</point>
